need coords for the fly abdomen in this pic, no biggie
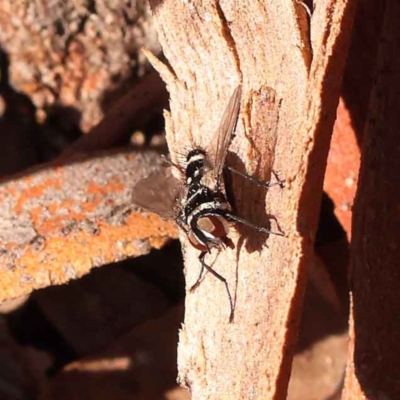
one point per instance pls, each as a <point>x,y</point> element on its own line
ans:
<point>197,195</point>
<point>208,225</point>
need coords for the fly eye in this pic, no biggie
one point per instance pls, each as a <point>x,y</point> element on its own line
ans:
<point>214,226</point>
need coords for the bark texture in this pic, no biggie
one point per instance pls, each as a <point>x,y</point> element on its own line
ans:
<point>63,65</point>
<point>59,222</point>
<point>290,61</point>
<point>374,366</point>
<point>75,54</point>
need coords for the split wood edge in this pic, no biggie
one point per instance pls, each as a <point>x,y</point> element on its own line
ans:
<point>211,50</point>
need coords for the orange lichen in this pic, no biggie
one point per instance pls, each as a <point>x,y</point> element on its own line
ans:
<point>90,206</point>
<point>35,191</point>
<point>114,185</point>
<point>71,256</point>
<point>64,205</point>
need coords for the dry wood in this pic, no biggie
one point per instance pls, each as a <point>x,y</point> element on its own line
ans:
<point>75,56</point>
<point>113,130</point>
<point>141,364</point>
<point>91,313</point>
<point>60,221</point>
<point>291,68</point>
<point>374,368</point>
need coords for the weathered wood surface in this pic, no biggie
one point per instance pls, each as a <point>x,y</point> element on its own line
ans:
<point>300,56</point>
<point>60,221</point>
<point>374,368</point>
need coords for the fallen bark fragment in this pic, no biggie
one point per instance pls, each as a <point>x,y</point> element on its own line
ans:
<point>374,365</point>
<point>140,365</point>
<point>148,94</point>
<point>93,312</point>
<point>69,56</point>
<point>321,350</point>
<point>290,68</point>
<point>342,169</point>
<point>59,222</point>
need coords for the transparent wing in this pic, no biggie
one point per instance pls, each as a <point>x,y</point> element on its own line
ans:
<point>159,193</point>
<point>218,147</point>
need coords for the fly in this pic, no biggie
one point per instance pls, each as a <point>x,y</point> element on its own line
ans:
<point>197,202</point>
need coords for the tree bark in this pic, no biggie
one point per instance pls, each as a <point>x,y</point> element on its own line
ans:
<point>60,221</point>
<point>75,58</point>
<point>290,62</point>
<point>374,368</point>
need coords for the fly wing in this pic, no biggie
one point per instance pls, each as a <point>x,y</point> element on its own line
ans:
<point>218,147</point>
<point>159,193</point>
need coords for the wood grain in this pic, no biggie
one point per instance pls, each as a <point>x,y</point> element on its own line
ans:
<point>60,221</point>
<point>264,45</point>
<point>374,365</point>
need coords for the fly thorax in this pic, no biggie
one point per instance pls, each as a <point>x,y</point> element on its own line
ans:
<point>195,163</point>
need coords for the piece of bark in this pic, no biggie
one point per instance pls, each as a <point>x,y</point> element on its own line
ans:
<point>318,371</point>
<point>141,365</point>
<point>60,221</point>
<point>95,311</point>
<point>75,55</point>
<point>374,365</point>
<point>343,161</point>
<point>112,131</point>
<point>360,71</point>
<point>9,306</point>
<point>321,352</point>
<point>340,181</point>
<point>286,129</point>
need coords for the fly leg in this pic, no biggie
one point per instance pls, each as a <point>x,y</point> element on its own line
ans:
<point>200,278</point>
<point>242,221</point>
<point>180,222</point>
<point>256,181</point>
<point>205,266</point>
